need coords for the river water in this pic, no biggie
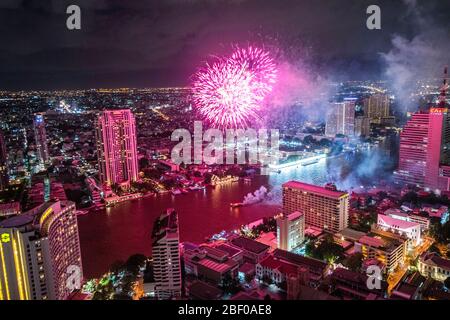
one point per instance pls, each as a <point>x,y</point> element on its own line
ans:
<point>120,231</point>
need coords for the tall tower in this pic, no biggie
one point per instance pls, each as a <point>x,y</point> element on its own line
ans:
<point>424,147</point>
<point>323,207</point>
<point>39,251</point>
<point>3,163</point>
<point>166,255</point>
<point>116,147</point>
<point>40,136</point>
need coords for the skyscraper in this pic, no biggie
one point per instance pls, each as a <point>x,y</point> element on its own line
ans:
<point>323,207</point>
<point>40,136</point>
<point>3,163</point>
<point>341,118</point>
<point>39,252</point>
<point>422,149</point>
<point>290,230</point>
<point>116,147</point>
<point>166,255</point>
<point>376,107</point>
<point>424,157</point>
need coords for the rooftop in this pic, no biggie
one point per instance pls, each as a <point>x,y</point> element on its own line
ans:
<point>314,189</point>
<point>250,245</point>
<point>203,291</point>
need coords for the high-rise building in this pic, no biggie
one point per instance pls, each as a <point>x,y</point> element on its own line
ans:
<point>362,126</point>
<point>341,118</point>
<point>40,137</point>
<point>116,147</point>
<point>290,230</point>
<point>424,149</point>
<point>376,107</point>
<point>39,253</point>
<point>3,163</point>
<point>424,157</point>
<point>166,255</point>
<point>323,207</point>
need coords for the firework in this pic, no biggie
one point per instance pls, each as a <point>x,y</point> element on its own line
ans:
<point>230,92</point>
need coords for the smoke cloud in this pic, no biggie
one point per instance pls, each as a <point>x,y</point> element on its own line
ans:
<point>258,196</point>
<point>421,56</point>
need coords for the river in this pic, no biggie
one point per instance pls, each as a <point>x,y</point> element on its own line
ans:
<point>120,231</point>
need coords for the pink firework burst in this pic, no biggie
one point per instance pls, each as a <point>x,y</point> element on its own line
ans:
<point>230,92</point>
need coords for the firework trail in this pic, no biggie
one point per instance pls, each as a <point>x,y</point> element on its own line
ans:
<point>230,92</point>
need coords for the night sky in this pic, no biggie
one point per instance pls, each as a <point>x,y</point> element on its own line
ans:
<point>142,43</point>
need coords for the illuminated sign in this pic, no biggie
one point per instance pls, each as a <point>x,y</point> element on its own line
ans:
<point>438,110</point>
<point>5,237</point>
<point>45,215</point>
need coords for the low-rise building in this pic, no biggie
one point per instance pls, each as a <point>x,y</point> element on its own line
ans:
<point>388,248</point>
<point>254,251</point>
<point>403,227</point>
<point>434,266</point>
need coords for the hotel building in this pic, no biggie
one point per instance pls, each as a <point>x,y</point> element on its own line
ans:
<point>39,252</point>
<point>116,147</point>
<point>424,158</point>
<point>290,230</point>
<point>166,255</point>
<point>323,207</point>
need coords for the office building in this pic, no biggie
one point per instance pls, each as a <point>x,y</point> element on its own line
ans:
<point>40,137</point>
<point>166,255</point>
<point>3,163</point>
<point>323,207</point>
<point>40,255</point>
<point>116,147</point>
<point>290,230</point>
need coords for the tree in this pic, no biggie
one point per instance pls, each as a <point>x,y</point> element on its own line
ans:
<point>354,262</point>
<point>447,283</point>
<point>135,263</point>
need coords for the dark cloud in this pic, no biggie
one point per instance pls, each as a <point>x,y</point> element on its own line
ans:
<point>152,43</point>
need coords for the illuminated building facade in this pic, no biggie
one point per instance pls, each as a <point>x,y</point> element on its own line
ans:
<point>409,229</point>
<point>341,118</point>
<point>424,153</point>
<point>40,137</point>
<point>38,250</point>
<point>376,107</point>
<point>388,248</point>
<point>116,147</point>
<point>166,255</point>
<point>3,163</point>
<point>323,207</point>
<point>432,265</point>
<point>290,230</point>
